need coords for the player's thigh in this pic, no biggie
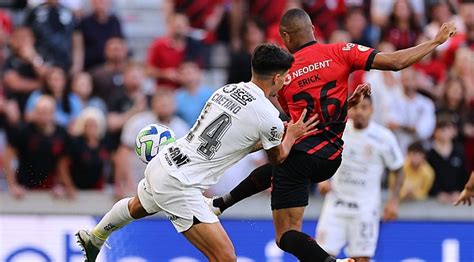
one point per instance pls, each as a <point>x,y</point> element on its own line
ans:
<point>212,240</point>
<point>363,236</point>
<point>145,200</point>
<point>331,232</point>
<point>290,183</point>
<point>287,219</point>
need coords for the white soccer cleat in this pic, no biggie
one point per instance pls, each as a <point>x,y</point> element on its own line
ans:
<point>345,260</point>
<point>86,240</point>
<point>215,210</point>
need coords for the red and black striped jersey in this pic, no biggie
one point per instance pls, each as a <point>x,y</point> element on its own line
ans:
<point>317,81</point>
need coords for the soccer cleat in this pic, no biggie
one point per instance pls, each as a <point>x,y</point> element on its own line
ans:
<point>89,249</point>
<point>210,203</point>
<point>345,260</point>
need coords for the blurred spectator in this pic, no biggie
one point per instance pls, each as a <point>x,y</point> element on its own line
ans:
<point>68,104</point>
<point>380,10</point>
<point>453,104</point>
<point>58,39</point>
<point>386,88</point>
<point>339,36</point>
<point>468,132</point>
<point>447,160</point>
<point>466,11</point>
<point>253,34</point>
<point>81,85</point>
<point>108,78</point>
<point>403,28</point>
<point>269,11</point>
<point>166,53</point>
<point>418,175</point>
<point>463,68</point>
<point>204,15</point>
<point>6,29</point>
<point>358,27</point>
<point>129,169</point>
<point>88,152</point>
<point>323,18</point>
<point>40,148</point>
<point>98,27</point>
<point>193,95</point>
<point>431,73</point>
<point>130,102</point>
<point>441,11</point>
<point>413,115</point>
<point>24,67</point>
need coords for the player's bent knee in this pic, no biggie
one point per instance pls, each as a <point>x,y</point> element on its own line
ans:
<point>225,254</point>
<point>136,209</point>
<point>228,256</point>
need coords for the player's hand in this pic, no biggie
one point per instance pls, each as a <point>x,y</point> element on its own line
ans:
<point>446,31</point>
<point>324,187</point>
<point>390,211</point>
<point>301,127</point>
<point>17,191</point>
<point>359,93</point>
<point>465,197</point>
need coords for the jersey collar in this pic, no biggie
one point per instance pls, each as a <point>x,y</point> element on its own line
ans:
<point>306,45</point>
<point>254,87</point>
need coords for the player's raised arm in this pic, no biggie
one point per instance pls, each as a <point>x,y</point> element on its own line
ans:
<point>406,57</point>
<point>294,131</point>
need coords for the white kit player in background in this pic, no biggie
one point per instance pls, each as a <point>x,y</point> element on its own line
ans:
<point>350,214</point>
<point>236,120</point>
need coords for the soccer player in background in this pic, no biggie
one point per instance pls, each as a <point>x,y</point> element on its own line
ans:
<point>350,213</point>
<point>234,121</point>
<point>316,82</point>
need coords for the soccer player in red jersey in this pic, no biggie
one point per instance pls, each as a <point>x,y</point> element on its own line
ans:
<point>317,82</point>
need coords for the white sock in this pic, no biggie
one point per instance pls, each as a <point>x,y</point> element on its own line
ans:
<point>115,219</point>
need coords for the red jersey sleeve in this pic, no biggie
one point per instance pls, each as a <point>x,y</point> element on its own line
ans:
<point>358,56</point>
<point>283,102</point>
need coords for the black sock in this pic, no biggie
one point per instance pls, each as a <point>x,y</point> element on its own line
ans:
<point>303,247</point>
<point>259,179</point>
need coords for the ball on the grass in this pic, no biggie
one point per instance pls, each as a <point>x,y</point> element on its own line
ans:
<point>150,139</point>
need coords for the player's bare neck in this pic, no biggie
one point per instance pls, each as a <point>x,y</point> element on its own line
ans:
<point>263,84</point>
<point>305,43</point>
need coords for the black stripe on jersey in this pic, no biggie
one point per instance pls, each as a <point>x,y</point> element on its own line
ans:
<point>306,45</point>
<point>313,141</point>
<point>370,60</point>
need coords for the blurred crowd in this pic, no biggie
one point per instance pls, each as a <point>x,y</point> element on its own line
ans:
<point>72,95</point>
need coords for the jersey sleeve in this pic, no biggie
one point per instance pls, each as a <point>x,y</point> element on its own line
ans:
<point>270,131</point>
<point>358,57</point>
<point>392,154</point>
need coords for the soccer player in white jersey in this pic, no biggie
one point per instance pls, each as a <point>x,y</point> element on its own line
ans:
<point>235,119</point>
<point>350,214</point>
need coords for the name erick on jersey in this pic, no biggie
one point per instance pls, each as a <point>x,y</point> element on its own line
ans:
<point>318,81</point>
<point>233,120</point>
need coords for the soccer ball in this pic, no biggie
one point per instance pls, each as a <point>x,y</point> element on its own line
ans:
<point>150,139</point>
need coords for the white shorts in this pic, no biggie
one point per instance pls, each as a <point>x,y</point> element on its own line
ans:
<point>159,191</point>
<point>357,232</point>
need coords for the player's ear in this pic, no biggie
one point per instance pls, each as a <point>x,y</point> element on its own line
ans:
<point>285,36</point>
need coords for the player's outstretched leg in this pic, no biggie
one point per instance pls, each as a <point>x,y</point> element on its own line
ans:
<point>259,180</point>
<point>122,213</point>
<point>212,240</point>
<point>287,222</point>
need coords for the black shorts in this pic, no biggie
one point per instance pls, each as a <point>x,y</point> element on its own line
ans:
<point>292,179</point>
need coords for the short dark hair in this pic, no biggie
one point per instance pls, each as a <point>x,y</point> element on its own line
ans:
<point>416,147</point>
<point>269,59</point>
<point>445,120</point>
